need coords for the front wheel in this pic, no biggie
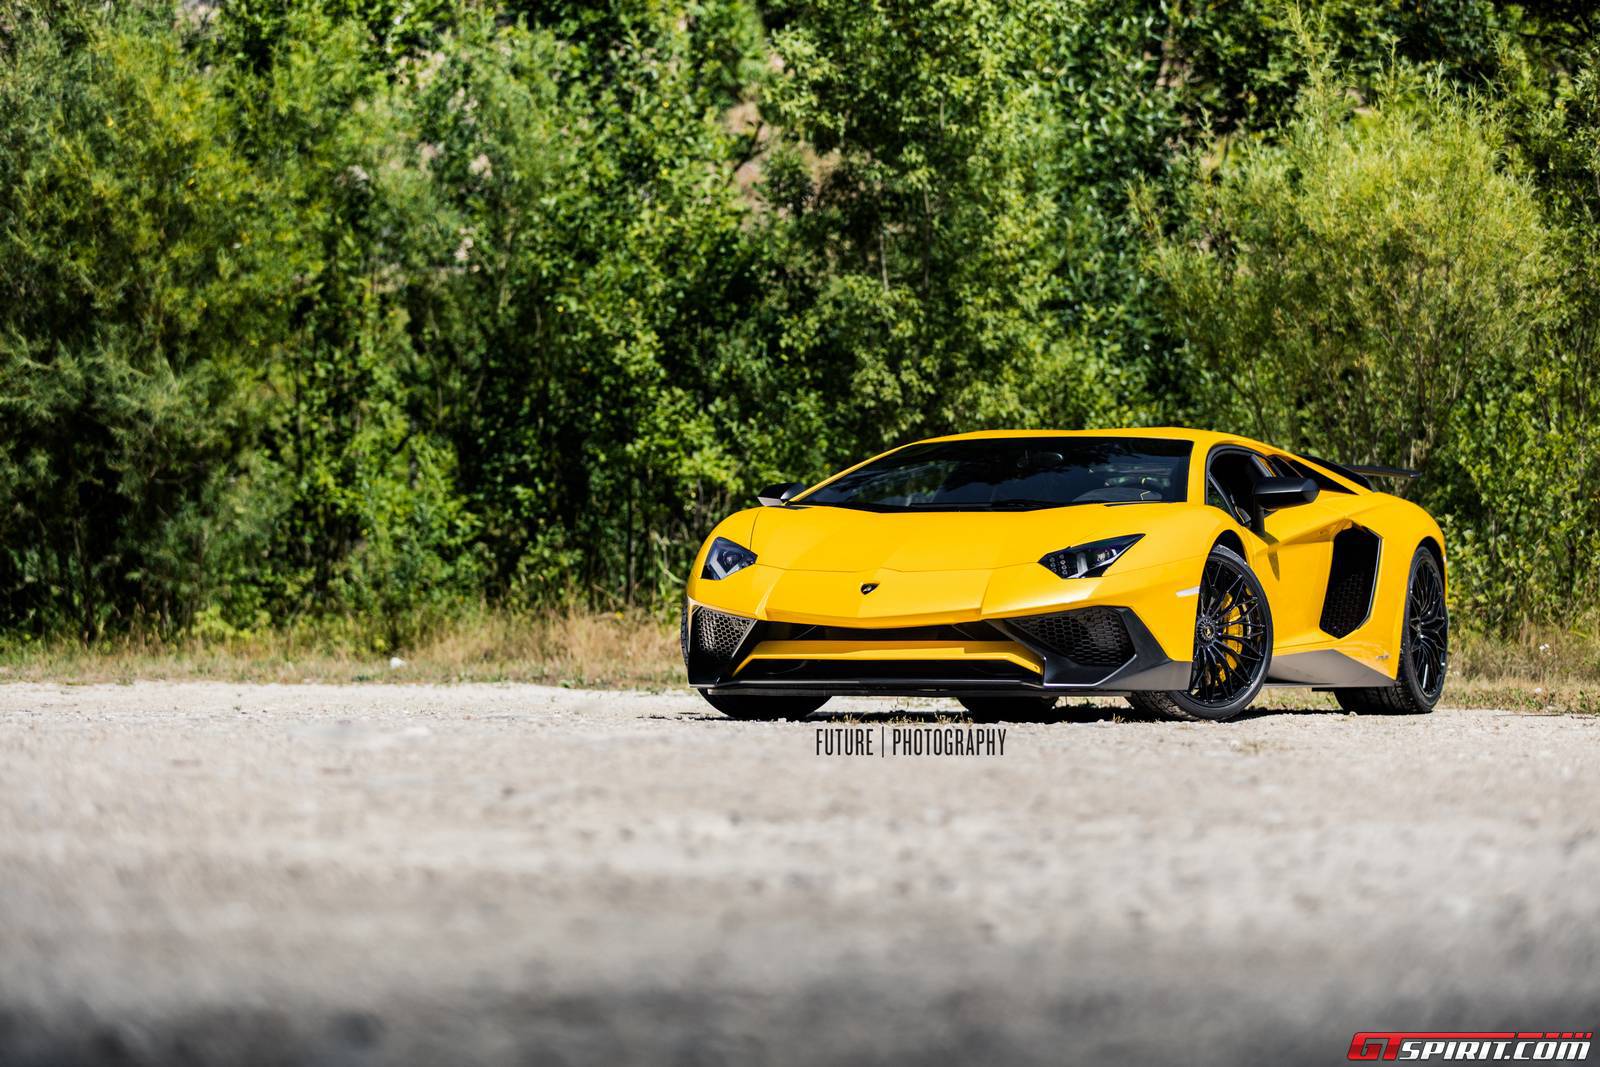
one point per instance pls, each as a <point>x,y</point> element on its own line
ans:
<point>1232,646</point>
<point>757,707</point>
<point>1424,650</point>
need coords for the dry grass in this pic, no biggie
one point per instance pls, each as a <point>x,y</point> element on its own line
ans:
<point>1537,670</point>
<point>578,649</point>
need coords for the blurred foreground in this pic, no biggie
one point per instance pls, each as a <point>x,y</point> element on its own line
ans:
<point>236,873</point>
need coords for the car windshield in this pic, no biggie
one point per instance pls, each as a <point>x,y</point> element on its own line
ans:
<point>1014,474</point>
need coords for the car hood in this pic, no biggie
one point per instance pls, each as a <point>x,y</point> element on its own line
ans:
<point>845,539</point>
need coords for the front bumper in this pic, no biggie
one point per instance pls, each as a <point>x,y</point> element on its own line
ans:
<point>1093,649</point>
<point>947,633</point>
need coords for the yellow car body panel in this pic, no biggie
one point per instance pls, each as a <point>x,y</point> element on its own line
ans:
<point>953,568</point>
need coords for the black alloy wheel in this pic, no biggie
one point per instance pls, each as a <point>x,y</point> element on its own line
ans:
<point>1230,631</point>
<point>1232,645</point>
<point>1428,629</point>
<point>1424,649</point>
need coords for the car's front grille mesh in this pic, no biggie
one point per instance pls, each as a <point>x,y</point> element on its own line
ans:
<point>1093,637</point>
<point>716,636</point>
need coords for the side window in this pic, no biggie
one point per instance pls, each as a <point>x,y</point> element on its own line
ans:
<point>1215,498</point>
<point>1230,482</point>
<point>1289,467</point>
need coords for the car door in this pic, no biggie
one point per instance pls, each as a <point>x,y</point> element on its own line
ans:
<point>1290,549</point>
<point>1299,544</point>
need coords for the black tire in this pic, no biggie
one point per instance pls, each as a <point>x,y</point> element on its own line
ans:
<point>1424,650</point>
<point>1009,709</point>
<point>1233,646</point>
<point>759,707</point>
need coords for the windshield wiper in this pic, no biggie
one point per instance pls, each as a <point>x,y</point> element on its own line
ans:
<point>933,505</point>
<point>986,505</point>
<point>1029,505</point>
<point>851,505</point>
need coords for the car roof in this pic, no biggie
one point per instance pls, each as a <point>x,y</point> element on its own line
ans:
<point>1203,439</point>
<point>1175,433</point>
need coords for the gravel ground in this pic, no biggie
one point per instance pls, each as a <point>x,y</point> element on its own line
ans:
<point>219,873</point>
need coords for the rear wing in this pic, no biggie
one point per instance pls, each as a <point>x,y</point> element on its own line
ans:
<point>1363,475</point>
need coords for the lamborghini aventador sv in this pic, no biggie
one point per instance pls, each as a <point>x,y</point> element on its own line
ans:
<point>1179,568</point>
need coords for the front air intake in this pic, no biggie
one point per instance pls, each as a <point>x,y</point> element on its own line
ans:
<point>713,639</point>
<point>1090,637</point>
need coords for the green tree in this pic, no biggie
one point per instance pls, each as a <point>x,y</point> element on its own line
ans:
<point>322,308</point>
<point>946,182</point>
<point>1376,286</point>
<point>127,312</point>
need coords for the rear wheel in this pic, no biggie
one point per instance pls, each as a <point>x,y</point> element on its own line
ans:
<point>1424,650</point>
<point>1232,646</point>
<point>757,707</point>
<point>1008,709</point>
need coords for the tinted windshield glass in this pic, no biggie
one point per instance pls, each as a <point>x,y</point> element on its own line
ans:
<point>1014,473</point>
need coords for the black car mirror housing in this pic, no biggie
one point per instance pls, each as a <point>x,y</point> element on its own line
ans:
<point>779,493</point>
<point>1272,494</point>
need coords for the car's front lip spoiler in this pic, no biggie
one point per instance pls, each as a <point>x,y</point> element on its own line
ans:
<point>1173,675</point>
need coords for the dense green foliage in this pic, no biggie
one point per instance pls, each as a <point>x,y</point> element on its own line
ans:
<point>316,308</point>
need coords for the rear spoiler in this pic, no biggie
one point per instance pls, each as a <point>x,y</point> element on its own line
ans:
<point>1387,472</point>
<point>1363,476</point>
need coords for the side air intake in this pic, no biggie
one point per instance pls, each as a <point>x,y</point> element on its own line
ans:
<point>1351,579</point>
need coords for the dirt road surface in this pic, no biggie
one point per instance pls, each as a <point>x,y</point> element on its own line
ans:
<point>215,873</point>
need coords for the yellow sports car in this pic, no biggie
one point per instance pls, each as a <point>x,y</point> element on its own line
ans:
<point>1180,568</point>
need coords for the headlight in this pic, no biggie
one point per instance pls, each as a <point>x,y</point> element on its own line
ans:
<point>725,558</point>
<point>1088,561</point>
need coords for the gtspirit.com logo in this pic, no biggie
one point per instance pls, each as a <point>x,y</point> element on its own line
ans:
<point>1553,1046</point>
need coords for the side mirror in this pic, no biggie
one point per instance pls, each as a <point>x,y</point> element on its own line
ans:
<point>1274,493</point>
<point>779,493</point>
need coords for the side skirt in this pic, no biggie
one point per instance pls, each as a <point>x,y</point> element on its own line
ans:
<point>1325,668</point>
